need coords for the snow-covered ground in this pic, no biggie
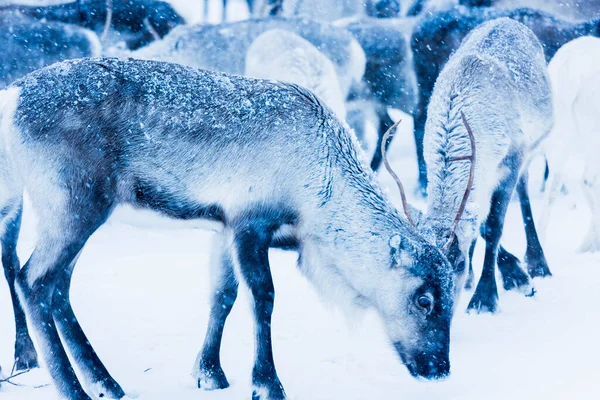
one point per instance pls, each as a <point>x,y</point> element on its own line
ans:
<point>142,297</point>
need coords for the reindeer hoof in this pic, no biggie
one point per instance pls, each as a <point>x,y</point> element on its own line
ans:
<point>537,266</point>
<point>212,379</point>
<point>513,277</point>
<point>272,391</point>
<point>107,389</point>
<point>483,302</point>
<point>25,354</point>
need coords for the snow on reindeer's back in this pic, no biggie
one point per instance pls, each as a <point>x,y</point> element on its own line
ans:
<point>184,96</point>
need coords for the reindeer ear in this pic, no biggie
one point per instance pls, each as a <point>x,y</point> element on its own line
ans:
<point>402,251</point>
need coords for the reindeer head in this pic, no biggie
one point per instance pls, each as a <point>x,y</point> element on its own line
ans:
<point>418,318</point>
<point>433,272</point>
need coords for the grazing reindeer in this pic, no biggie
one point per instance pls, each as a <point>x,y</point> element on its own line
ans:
<point>137,22</point>
<point>575,74</point>
<point>437,36</point>
<point>497,81</point>
<point>284,56</point>
<point>28,45</point>
<point>88,135</point>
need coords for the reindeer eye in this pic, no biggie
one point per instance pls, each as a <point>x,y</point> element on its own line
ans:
<point>425,302</point>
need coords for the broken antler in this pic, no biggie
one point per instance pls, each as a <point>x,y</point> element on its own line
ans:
<point>386,136</point>
<point>463,203</point>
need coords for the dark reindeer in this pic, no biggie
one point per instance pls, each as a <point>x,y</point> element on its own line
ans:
<point>437,36</point>
<point>193,144</point>
<point>28,44</point>
<point>136,22</point>
<point>498,82</point>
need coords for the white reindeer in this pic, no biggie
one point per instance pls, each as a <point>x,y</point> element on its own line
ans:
<point>497,84</point>
<point>265,160</point>
<point>575,139</point>
<point>282,55</point>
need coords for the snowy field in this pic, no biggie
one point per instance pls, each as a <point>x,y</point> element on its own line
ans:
<point>141,295</point>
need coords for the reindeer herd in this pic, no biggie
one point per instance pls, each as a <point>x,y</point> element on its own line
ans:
<point>260,126</point>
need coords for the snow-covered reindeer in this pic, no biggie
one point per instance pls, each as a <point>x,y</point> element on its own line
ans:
<point>284,56</point>
<point>575,138</point>
<point>494,89</point>
<point>83,137</point>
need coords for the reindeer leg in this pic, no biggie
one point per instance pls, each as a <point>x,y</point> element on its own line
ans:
<point>591,189</point>
<point>485,298</point>
<point>252,240</point>
<point>41,285</point>
<point>36,283</point>
<point>207,368</point>
<point>25,354</point>
<point>513,276</point>
<point>470,275</point>
<point>419,118</point>
<point>95,375</point>
<point>537,265</point>
<point>224,16</point>
<point>385,123</point>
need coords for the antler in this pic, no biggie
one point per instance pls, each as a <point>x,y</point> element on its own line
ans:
<point>463,203</point>
<point>386,136</point>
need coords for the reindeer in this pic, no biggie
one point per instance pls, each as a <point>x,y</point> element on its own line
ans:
<point>284,56</point>
<point>136,22</point>
<point>575,74</point>
<point>497,84</point>
<point>85,136</point>
<point>437,36</point>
